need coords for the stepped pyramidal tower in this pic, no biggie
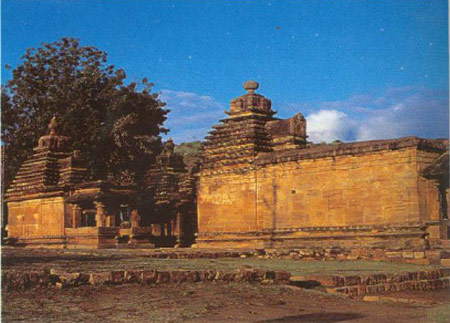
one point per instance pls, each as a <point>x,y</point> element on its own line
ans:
<point>36,196</point>
<point>250,129</point>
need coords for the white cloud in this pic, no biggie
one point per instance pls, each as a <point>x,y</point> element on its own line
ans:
<point>328,125</point>
<point>398,112</point>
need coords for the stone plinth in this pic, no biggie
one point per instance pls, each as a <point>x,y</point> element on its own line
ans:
<point>92,237</point>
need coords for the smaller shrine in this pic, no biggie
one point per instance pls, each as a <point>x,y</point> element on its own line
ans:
<point>171,187</point>
<point>52,203</point>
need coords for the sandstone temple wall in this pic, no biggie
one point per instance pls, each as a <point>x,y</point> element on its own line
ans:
<point>227,203</point>
<point>315,200</point>
<point>367,189</point>
<point>263,185</point>
<point>36,217</point>
<point>430,199</point>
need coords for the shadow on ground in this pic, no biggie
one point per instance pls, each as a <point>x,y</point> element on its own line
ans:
<point>318,317</point>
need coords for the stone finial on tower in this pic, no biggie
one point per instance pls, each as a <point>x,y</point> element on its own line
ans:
<point>250,102</point>
<point>251,86</point>
<point>53,141</point>
<point>52,125</point>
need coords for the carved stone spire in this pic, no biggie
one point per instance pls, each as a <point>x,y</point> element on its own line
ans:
<point>53,141</point>
<point>52,167</point>
<point>251,102</point>
<point>52,125</point>
<point>243,134</point>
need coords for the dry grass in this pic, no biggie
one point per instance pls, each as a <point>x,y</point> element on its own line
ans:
<point>104,260</point>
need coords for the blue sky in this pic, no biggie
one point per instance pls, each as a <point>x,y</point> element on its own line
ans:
<point>356,69</point>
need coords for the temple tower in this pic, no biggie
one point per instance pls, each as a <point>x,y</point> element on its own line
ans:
<point>250,129</point>
<point>243,134</point>
<point>36,208</point>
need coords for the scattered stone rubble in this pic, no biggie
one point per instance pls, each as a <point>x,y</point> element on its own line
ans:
<point>352,286</point>
<point>50,278</point>
<point>360,285</point>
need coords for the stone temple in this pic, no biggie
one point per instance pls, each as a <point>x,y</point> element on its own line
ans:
<point>52,203</point>
<point>263,185</point>
<point>259,184</point>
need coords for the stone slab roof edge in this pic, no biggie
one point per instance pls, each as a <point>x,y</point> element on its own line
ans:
<point>98,196</point>
<point>322,151</point>
<point>105,184</point>
<point>36,194</point>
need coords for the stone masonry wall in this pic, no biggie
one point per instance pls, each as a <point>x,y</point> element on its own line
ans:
<point>226,203</point>
<point>368,189</point>
<point>347,191</point>
<point>36,218</point>
<point>356,285</point>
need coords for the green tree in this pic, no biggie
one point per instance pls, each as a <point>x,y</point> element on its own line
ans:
<point>14,150</point>
<point>115,125</point>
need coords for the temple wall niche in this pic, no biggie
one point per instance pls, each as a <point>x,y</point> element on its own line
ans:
<point>38,217</point>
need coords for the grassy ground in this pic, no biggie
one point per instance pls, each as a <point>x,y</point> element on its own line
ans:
<point>439,314</point>
<point>103,260</point>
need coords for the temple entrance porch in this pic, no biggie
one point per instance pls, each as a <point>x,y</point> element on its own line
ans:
<point>103,217</point>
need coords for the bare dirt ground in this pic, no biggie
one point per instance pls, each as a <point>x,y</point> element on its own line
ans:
<point>205,302</point>
<point>208,302</point>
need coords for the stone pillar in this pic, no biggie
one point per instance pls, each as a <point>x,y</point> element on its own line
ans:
<point>100,215</point>
<point>434,194</point>
<point>179,231</point>
<point>447,196</point>
<point>135,218</point>
<point>111,221</point>
<point>76,216</point>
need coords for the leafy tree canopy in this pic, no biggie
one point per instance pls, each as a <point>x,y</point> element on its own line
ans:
<point>115,125</point>
<point>189,148</point>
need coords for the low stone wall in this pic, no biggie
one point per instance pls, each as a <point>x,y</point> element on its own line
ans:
<point>414,256</point>
<point>380,283</point>
<point>27,280</point>
<point>420,257</point>
<point>353,286</point>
